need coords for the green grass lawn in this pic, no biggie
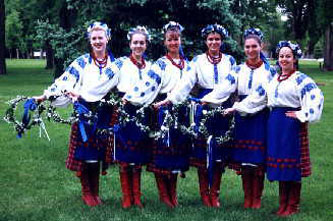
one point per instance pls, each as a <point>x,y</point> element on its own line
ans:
<point>35,185</point>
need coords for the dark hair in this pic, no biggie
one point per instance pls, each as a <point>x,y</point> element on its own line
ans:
<point>256,37</point>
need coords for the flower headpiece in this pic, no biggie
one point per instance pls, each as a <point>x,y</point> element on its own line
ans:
<point>172,24</point>
<point>99,25</point>
<point>138,29</point>
<point>214,28</point>
<point>254,31</point>
<point>294,47</point>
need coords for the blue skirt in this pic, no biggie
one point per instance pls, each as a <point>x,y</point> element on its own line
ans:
<point>216,126</point>
<point>284,146</point>
<point>132,144</point>
<point>249,145</point>
<point>96,145</point>
<point>171,153</point>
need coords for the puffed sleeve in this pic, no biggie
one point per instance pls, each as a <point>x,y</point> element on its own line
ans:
<point>145,91</point>
<point>222,91</point>
<point>311,99</point>
<point>184,87</point>
<point>66,82</point>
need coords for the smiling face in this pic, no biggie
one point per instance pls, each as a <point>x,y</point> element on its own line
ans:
<point>98,41</point>
<point>286,59</point>
<point>172,42</point>
<point>213,42</point>
<point>138,44</point>
<point>252,49</point>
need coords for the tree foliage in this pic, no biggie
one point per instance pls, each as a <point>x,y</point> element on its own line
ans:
<point>2,38</point>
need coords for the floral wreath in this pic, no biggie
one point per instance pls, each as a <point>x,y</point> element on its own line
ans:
<point>172,24</point>
<point>294,47</point>
<point>138,29</point>
<point>99,25</point>
<point>214,28</point>
<point>254,31</point>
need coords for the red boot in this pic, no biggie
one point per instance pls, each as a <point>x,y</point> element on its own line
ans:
<point>94,177</point>
<point>247,188</point>
<point>203,186</point>
<point>173,189</point>
<point>163,190</point>
<point>137,187</point>
<point>125,181</point>
<point>257,188</point>
<point>215,189</point>
<point>283,197</point>
<point>87,196</point>
<point>293,199</point>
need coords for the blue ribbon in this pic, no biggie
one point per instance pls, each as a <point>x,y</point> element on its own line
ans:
<point>81,110</point>
<point>210,166</point>
<point>29,105</point>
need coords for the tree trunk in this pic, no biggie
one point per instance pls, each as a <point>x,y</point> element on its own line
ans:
<point>49,56</point>
<point>2,39</point>
<point>17,54</point>
<point>328,50</point>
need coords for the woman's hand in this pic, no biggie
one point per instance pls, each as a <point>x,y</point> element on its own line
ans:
<point>291,114</point>
<point>229,111</point>
<point>124,101</point>
<point>40,98</point>
<point>161,103</point>
<point>72,95</point>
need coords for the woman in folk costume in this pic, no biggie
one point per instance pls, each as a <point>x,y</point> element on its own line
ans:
<point>208,71</point>
<point>249,148</point>
<point>171,152</point>
<point>133,147</point>
<point>88,79</point>
<point>294,100</point>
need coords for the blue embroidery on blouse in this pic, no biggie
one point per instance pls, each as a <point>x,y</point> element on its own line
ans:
<point>307,88</point>
<point>161,64</point>
<point>74,72</point>
<point>136,89</point>
<point>64,78</point>
<point>230,78</point>
<point>251,79</point>
<point>81,62</point>
<point>153,88</point>
<point>195,59</point>
<point>237,69</point>
<point>273,73</point>
<point>300,78</point>
<point>216,74</point>
<point>109,73</point>
<point>128,96</point>
<point>188,68</point>
<point>266,66</point>
<point>119,63</point>
<point>313,97</point>
<point>142,94</point>
<point>147,83</point>
<point>232,60</point>
<point>154,76</point>
<point>306,114</point>
<point>261,91</point>
<point>53,89</point>
<point>311,111</point>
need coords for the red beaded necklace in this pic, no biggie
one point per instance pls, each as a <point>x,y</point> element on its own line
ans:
<point>283,77</point>
<point>101,63</point>
<point>254,65</point>
<point>212,59</point>
<point>181,64</point>
<point>140,65</point>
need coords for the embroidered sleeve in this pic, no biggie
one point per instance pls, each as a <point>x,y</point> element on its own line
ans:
<point>223,90</point>
<point>311,99</point>
<point>66,82</point>
<point>253,103</point>
<point>184,87</point>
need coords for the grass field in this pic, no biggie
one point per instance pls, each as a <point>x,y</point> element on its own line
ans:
<point>35,185</point>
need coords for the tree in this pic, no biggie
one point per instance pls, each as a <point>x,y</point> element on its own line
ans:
<point>2,38</point>
<point>299,13</point>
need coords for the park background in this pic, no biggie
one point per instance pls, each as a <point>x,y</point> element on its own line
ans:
<point>34,184</point>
